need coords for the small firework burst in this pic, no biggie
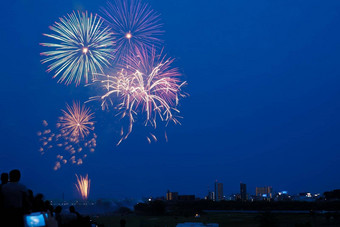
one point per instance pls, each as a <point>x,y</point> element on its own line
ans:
<point>76,121</point>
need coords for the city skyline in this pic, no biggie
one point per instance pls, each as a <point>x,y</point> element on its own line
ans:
<point>244,193</point>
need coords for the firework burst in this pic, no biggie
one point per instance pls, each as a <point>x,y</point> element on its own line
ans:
<point>72,138</point>
<point>135,25</point>
<point>83,186</point>
<point>76,121</point>
<point>83,46</point>
<point>148,88</point>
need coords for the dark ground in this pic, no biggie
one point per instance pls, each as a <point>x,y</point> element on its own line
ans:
<point>227,219</point>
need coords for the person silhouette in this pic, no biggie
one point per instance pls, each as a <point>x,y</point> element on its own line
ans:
<point>122,222</point>
<point>73,211</point>
<point>4,180</point>
<point>57,215</point>
<point>14,195</point>
<point>38,203</point>
<point>78,221</point>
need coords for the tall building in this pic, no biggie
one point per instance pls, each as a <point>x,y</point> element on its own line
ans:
<point>243,191</point>
<point>218,191</point>
<point>264,192</point>
<point>215,192</point>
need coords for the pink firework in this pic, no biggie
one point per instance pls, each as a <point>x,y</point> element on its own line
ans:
<point>147,88</point>
<point>135,25</point>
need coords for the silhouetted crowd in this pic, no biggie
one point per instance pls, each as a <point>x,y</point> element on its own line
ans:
<point>16,201</point>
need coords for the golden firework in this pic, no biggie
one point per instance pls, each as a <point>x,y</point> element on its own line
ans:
<point>76,121</point>
<point>83,186</point>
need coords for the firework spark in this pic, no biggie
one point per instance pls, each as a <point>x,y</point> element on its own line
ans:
<point>147,88</point>
<point>83,46</point>
<point>135,25</point>
<point>83,186</point>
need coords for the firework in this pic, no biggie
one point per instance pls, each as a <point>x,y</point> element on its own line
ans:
<point>76,121</point>
<point>148,88</point>
<point>72,138</point>
<point>83,46</point>
<point>135,25</point>
<point>83,186</point>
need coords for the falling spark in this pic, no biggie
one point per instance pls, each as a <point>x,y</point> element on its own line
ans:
<point>45,123</point>
<point>166,136</point>
<point>57,166</point>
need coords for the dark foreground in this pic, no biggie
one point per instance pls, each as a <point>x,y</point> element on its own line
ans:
<point>227,219</point>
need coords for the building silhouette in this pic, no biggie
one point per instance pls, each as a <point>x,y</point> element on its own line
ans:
<point>211,196</point>
<point>218,191</point>
<point>171,196</point>
<point>186,198</point>
<point>264,192</point>
<point>243,191</point>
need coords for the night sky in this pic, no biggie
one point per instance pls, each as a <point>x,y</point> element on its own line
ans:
<point>263,107</point>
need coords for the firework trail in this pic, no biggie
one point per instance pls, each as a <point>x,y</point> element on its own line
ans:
<point>135,25</point>
<point>83,46</point>
<point>83,186</point>
<point>147,88</point>
<point>72,138</point>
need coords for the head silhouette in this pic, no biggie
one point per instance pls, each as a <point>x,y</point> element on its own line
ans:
<point>39,196</point>
<point>4,178</point>
<point>30,193</point>
<point>72,209</point>
<point>58,209</point>
<point>14,175</point>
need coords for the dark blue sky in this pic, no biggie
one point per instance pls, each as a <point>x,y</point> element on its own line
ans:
<point>264,105</point>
